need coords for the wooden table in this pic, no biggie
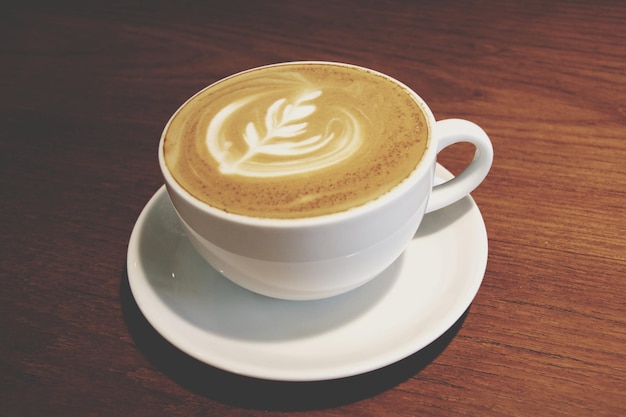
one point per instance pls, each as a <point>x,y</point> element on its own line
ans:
<point>86,91</point>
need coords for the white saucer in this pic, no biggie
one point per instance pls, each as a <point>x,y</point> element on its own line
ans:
<point>393,316</point>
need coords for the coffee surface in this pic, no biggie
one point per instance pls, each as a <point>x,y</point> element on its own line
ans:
<point>295,140</point>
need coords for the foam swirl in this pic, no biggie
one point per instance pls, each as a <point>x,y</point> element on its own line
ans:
<point>295,140</point>
<point>288,140</point>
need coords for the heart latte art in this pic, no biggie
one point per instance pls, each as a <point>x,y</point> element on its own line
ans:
<point>295,140</point>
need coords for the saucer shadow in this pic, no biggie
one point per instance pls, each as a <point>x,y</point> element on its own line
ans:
<point>253,393</point>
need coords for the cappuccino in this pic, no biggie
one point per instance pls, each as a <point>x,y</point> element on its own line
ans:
<point>296,140</point>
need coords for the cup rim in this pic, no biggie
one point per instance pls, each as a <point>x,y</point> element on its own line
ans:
<point>398,190</point>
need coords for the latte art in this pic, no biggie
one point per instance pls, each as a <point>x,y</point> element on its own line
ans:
<point>296,140</point>
<point>284,142</point>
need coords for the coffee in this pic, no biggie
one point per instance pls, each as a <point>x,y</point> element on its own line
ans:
<point>296,140</point>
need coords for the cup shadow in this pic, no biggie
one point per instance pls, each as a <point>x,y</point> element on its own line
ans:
<point>445,217</point>
<point>253,393</point>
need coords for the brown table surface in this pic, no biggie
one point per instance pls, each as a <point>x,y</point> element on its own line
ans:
<point>86,91</point>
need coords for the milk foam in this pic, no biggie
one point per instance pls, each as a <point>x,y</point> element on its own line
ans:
<point>283,142</point>
<point>296,140</point>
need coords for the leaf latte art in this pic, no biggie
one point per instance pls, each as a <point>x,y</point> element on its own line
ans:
<point>283,143</point>
<point>295,140</point>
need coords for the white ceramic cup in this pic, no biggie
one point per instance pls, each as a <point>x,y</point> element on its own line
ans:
<point>319,257</point>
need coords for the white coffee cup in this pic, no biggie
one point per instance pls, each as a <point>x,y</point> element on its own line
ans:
<point>323,256</point>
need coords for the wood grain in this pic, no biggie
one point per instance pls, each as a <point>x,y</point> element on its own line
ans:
<point>87,89</point>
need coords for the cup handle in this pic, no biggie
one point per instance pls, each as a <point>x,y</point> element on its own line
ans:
<point>451,131</point>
